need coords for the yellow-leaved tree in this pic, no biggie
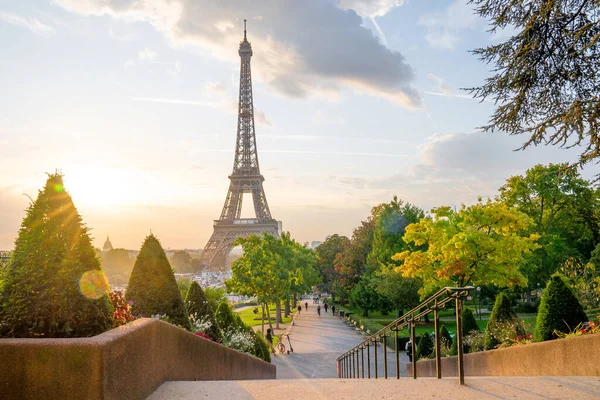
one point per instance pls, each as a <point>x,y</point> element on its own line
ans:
<point>477,245</point>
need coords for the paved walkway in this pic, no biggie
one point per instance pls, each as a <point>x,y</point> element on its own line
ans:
<point>318,341</point>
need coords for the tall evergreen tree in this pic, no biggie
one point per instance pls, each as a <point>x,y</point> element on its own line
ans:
<point>224,317</point>
<point>198,308</point>
<point>503,323</point>
<point>152,286</point>
<point>559,310</point>
<point>54,285</point>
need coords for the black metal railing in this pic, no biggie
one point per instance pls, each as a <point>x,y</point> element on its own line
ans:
<point>348,363</point>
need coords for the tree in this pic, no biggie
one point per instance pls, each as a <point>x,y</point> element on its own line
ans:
<point>152,287</point>
<point>546,82</point>
<point>503,324</point>
<point>469,323</point>
<point>326,253</point>
<point>584,279</point>
<point>559,311</point>
<point>199,310</point>
<point>215,296</point>
<point>224,317</point>
<point>364,296</point>
<point>476,245</point>
<point>565,210</point>
<point>402,293</point>
<point>445,337</point>
<point>54,285</point>
<point>182,262</point>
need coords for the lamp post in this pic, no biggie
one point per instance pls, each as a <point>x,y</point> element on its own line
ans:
<point>479,300</point>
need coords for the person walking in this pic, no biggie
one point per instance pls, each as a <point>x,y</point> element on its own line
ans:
<point>299,309</point>
<point>269,338</point>
<point>319,310</point>
<point>306,305</point>
<point>408,349</point>
<point>333,309</point>
<point>325,306</point>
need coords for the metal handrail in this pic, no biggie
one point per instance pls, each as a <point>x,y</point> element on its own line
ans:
<point>349,368</point>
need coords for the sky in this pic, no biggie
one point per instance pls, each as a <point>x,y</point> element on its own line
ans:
<point>356,101</point>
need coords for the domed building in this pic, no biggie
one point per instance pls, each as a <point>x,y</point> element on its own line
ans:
<point>107,245</point>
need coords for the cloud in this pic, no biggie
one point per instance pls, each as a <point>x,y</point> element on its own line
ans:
<point>147,55</point>
<point>445,90</point>
<point>301,48</point>
<point>444,29</point>
<point>177,101</point>
<point>371,8</point>
<point>128,37</point>
<point>32,24</point>
<point>319,119</point>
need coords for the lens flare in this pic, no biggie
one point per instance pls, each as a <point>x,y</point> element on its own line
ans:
<point>93,284</point>
<point>59,188</point>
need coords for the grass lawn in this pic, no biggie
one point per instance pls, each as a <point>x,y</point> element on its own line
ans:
<point>252,319</point>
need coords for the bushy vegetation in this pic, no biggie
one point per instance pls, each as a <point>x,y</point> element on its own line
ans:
<point>559,311</point>
<point>54,285</point>
<point>200,313</point>
<point>425,347</point>
<point>224,316</point>
<point>152,287</point>
<point>503,324</point>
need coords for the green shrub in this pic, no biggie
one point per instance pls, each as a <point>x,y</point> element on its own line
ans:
<point>215,296</point>
<point>503,324</point>
<point>469,323</point>
<point>559,310</point>
<point>445,337</point>
<point>54,285</point>
<point>262,348</point>
<point>224,317</point>
<point>152,287</point>
<point>200,313</point>
<point>425,347</point>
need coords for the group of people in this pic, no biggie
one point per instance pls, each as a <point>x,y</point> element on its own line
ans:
<point>325,306</point>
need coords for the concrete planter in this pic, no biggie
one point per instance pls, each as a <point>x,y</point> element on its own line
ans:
<point>128,362</point>
<point>575,356</point>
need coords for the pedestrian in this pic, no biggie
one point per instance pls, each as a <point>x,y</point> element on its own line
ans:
<point>299,309</point>
<point>325,306</point>
<point>306,305</point>
<point>408,349</point>
<point>319,310</point>
<point>269,338</point>
<point>333,309</point>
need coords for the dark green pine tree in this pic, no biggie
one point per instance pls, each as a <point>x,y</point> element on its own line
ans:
<point>425,347</point>
<point>198,308</point>
<point>225,318</point>
<point>54,285</point>
<point>503,323</point>
<point>469,323</point>
<point>445,337</point>
<point>152,287</point>
<point>559,310</point>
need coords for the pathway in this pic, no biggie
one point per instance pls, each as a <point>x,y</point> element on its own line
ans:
<point>318,341</point>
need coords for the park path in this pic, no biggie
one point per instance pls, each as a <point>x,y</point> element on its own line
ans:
<point>318,341</point>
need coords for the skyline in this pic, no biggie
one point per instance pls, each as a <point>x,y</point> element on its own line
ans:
<point>136,106</point>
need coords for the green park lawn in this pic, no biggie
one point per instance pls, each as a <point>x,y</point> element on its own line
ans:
<point>252,319</point>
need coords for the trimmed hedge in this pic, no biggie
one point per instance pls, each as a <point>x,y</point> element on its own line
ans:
<point>198,307</point>
<point>559,310</point>
<point>225,317</point>
<point>152,286</point>
<point>503,321</point>
<point>53,285</point>
<point>425,347</point>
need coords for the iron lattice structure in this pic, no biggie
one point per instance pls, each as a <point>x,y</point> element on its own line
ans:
<point>245,178</point>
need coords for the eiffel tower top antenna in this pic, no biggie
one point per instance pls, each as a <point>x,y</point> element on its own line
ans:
<point>245,30</point>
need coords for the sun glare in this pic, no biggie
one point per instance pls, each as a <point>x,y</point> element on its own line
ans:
<point>103,187</point>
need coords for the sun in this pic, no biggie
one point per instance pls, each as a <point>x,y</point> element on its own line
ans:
<point>102,187</point>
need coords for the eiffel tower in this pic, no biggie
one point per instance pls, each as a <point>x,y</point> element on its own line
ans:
<point>245,178</point>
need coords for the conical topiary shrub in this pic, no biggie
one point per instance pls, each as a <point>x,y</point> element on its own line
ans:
<point>469,323</point>
<point>503,324</point>
<point>559,310</point>
<point>54,285</point>
<point>152,287</point>
<point>224,317</point>
<point>425,347</point>
<point>262,347</point>
<point>445,337</point>
<point>201,312</point>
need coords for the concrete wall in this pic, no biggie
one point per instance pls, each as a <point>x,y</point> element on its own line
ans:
<point>129,362</point>
<point>563,357</point>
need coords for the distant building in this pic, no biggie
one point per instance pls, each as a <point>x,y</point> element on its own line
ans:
<point>315,244</point>
<point>107,245</point>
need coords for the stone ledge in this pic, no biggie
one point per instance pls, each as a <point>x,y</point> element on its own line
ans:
<point>128,362</point>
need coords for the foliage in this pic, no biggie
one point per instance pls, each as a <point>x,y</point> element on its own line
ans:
<point>425,347</point>
<point>215,296</point>
<point>480,244</point>
<point>469,323</point>
<point>122,313</point>
<point>402,293</point>
<point>182,262</point>
<point>565,210</point>
<point>184,285</point>
<point>261,342</point>
<point>559,310</point>
<point>224,317</point>
<point>152,286</point>
<point>445,336</point>
<point>584,279</point>
<point>54,285</point>
<point>326,253</point>
<point>389,229</point>
<point>200,312</point>
<point>473,342</point>
<point>546,81</point>
<point>586,328</point>
<point>365,296</point>
<point>503,324</point>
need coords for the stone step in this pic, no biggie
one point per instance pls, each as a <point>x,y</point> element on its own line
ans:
<point>521,388</point>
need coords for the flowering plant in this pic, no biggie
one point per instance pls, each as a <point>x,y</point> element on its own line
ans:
<point>238,339</point>
<point>122,313</point>
<point>586,328</point>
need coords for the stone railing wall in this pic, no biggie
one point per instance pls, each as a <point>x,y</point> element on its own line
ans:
<point>563,357</point>
<point>128,362</point>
